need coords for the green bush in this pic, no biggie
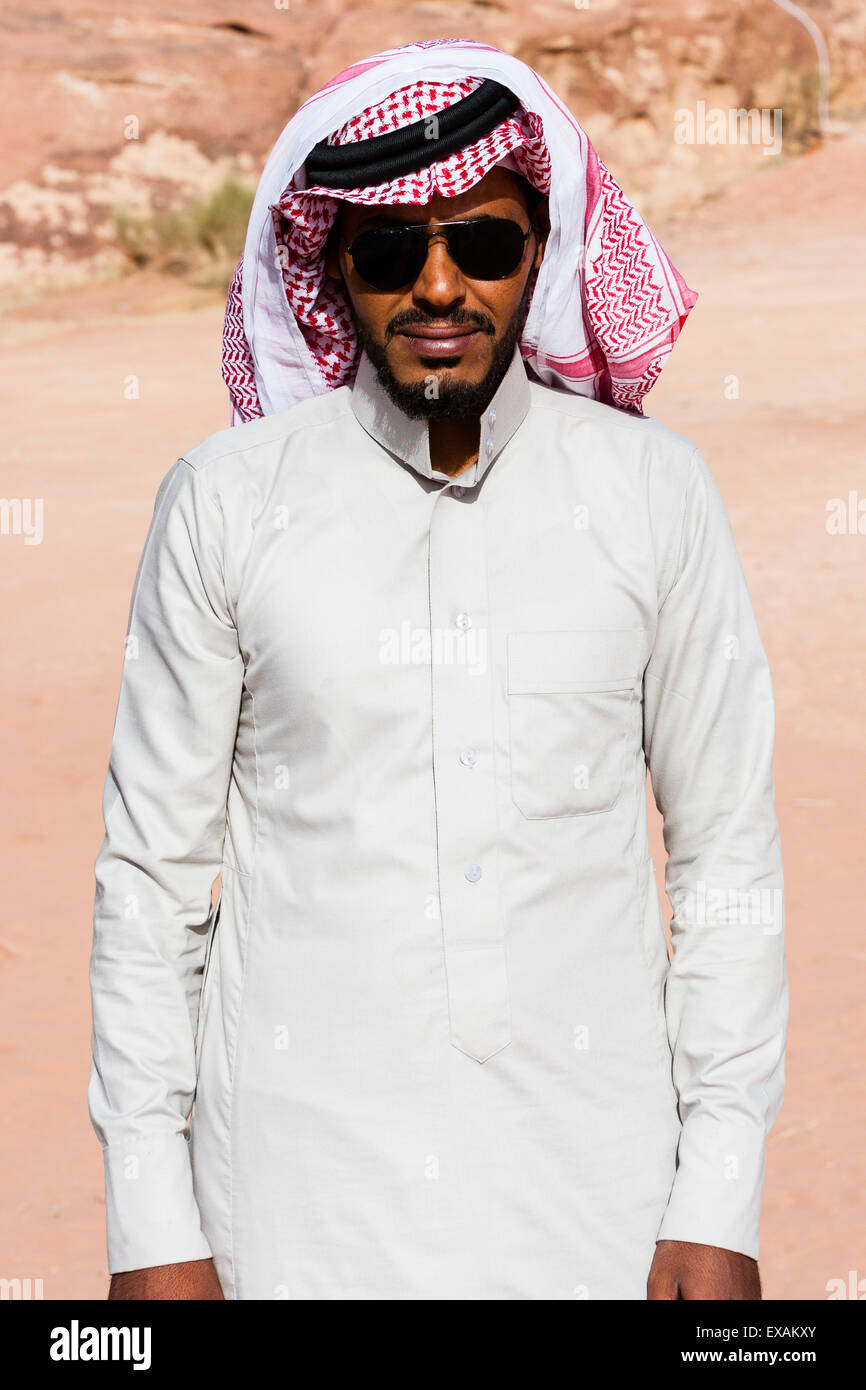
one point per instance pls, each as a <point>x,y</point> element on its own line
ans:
<point>203,239</point>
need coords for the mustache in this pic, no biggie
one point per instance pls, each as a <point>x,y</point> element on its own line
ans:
<point>412,319</point>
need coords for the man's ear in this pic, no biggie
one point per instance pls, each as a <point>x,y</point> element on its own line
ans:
<point>541,223</point>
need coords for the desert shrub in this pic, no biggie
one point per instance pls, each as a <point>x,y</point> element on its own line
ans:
<point>202,239</point>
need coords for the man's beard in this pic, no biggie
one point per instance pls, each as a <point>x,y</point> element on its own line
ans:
<point>453,399</point>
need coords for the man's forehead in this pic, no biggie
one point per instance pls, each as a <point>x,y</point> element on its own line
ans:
<point>497,193</point>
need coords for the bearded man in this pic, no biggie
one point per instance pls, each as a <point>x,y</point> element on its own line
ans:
<point>403,644</point>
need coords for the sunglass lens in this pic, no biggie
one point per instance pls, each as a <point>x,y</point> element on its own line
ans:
<point>488,249</point>
<point>387,258</point>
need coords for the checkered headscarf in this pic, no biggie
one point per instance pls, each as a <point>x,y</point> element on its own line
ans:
<point>606,305</point>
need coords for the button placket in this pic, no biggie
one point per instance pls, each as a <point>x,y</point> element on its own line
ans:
<point>466,802</point>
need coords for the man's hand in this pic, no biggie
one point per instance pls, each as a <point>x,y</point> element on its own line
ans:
<point>192,1279</point>
<point>681,1269</point>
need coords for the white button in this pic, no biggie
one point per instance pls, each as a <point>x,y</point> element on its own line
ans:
<point>458,491</point>
<point>488,447</point>
<point>491,416</point>
<point>468,757</point>
<point>463,621</point>
<point>473,872</point>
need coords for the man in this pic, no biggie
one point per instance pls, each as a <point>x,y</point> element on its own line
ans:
<point>402,646</point>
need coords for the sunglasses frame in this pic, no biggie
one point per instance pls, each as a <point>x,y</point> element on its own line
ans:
<point>434,229</point>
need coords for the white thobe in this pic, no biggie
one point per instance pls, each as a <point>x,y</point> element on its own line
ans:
<point>428,1043</point>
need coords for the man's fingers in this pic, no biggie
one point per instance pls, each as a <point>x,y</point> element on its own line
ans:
<point>663,1282</point>
<point>661,1289</point>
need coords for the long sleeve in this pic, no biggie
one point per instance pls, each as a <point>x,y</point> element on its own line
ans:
<point>708,736</point>
<point>164,812</point>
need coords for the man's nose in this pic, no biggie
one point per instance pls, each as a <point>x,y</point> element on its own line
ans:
<point>439,281</point>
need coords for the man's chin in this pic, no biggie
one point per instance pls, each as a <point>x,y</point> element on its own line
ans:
<point>443,393</point>
<point>452,400</point>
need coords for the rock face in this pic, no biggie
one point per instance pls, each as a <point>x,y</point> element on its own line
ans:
<point>110,120</point>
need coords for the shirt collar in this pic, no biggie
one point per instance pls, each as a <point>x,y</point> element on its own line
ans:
<point>409,438</point>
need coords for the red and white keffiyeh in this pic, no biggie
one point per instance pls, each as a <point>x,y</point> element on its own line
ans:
<point>606,307</point>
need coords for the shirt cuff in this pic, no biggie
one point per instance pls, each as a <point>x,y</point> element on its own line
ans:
<point>151,1214</point>
<point>716,1194</point>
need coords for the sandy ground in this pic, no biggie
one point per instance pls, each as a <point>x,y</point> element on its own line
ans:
<point>778,264</point>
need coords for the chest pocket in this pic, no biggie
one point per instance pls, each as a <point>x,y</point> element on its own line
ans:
<point>573,711</point>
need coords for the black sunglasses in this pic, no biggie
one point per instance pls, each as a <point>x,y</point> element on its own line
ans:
<point>484,248</point>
